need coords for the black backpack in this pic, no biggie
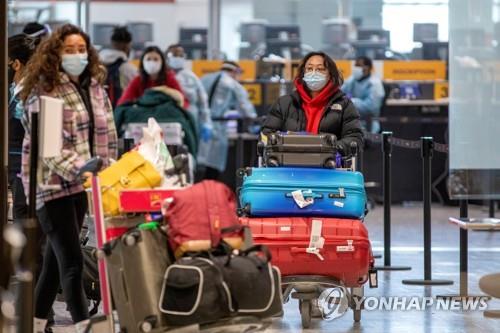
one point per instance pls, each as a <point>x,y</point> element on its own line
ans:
<point>113,84</point>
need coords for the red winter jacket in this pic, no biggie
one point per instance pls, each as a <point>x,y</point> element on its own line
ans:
<point>314,107</point>
<point>136,89</point>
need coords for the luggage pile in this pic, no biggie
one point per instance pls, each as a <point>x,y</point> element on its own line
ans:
<point>308,209</point>
<point>175,259</point>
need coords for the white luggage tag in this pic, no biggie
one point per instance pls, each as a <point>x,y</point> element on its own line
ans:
<point>348,248</point>
<point>300,200</point>
<point>316,242</point>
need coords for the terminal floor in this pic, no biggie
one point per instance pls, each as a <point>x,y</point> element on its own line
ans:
<point>407,250</point>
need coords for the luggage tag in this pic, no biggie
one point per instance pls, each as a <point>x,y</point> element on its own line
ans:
<point>348,248</point>
<point>373,278</point>
<point>316,242</point>
<point>300,200</point>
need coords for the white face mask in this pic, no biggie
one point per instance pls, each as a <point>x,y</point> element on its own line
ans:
<point>315,80</point>
<point>152,67</point>
<point>176,62</point>
<point>74,64</point>
<point>357,72</point>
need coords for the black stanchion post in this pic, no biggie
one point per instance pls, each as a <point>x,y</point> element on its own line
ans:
<point>240,146</point>
<point>464,244</point>
<point>26,297</point>
<point>387,189</point>
<point>464,250</point>
<point>427,151</point>
<point>492,205</point>
<point>4,272</point>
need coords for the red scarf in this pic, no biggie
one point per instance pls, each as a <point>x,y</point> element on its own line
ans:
<point>314,107</point>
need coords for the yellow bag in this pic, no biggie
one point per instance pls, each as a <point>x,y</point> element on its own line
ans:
<point>131,171</point>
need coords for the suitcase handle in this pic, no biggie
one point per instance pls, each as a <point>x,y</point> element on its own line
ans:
<point>340,195</point>
<point>295,250</point>
<point>307,195</point>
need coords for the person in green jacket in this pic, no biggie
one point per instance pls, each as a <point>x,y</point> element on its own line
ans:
<point>162,104</point>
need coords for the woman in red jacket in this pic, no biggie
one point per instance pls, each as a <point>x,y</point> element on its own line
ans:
<point>317,105</point>
<point>153,73</point>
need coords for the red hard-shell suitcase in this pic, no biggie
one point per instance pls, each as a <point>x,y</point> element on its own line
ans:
<point>345,255</point>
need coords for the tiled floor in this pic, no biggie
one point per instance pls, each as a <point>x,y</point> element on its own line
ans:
<point>407,236</point>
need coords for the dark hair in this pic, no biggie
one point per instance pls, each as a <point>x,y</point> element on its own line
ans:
<point>331,66</point>
<point>33,27</point>
<point>172,46</point>
<point>366,61</point>
<point>43,69</point>
<point>121,35</point>
<point>230,66</point>
<point>162,75</point>
<point>21,47</point>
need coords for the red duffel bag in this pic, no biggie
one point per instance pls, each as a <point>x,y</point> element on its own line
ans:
<point>200,216</point>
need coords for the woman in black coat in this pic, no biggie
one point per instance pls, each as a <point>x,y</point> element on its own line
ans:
<point>317,105</point>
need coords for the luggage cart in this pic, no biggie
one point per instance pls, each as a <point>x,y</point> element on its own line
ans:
<point>107,322</point>
<point>308,289</point>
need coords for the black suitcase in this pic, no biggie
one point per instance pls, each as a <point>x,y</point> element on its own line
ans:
<point>299,150</point>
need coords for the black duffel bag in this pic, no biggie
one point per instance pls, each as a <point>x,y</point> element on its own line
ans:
<point>194,292</point>
<point>255,285</point>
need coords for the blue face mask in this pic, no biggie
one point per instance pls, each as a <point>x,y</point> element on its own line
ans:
<point>176,62</point>
<point>315,81</point>
<point>357,72</point>
<point>75,64</point>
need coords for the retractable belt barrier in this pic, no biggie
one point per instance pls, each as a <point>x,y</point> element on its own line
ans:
<point>408,144</point>
<point>427,147</point>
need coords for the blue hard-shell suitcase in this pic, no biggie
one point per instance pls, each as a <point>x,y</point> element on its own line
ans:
<point>274,192</point>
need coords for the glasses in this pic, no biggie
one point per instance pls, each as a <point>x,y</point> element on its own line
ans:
<point>321,70</point>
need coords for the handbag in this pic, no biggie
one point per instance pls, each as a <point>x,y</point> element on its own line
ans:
<point>131,171</point>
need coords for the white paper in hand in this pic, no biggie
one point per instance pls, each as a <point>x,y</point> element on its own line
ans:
<point>51,127</point>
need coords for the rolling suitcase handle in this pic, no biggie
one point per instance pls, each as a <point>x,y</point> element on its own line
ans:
<point>340,195</point>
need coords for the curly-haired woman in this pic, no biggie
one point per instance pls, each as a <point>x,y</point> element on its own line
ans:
<point>66,66</point>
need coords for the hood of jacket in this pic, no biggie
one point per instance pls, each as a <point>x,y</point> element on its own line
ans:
<point>109,56</point>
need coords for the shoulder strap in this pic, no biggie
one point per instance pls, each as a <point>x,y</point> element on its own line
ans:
<point>213,213</point>
<point>212,89</point>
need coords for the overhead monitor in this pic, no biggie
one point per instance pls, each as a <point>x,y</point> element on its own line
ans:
<point>101,33</point>
<point>375,35</point>
<point>253,32</point>
<point>283,33</point>
<point>335,33</point>
<point>193,35</point>
<point>142,33</point>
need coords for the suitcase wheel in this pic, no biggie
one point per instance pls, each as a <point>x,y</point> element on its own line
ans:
<point>148,324</point>
<point>329,164</point>
<point>305,312</point>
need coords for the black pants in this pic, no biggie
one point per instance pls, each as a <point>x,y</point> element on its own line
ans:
<point>61,220</point>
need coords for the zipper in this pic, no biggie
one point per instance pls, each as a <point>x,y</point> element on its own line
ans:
<point>271,188</point>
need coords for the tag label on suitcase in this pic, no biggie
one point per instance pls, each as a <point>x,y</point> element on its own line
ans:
<point>348,248</point>
<point>316,241</point>
<point>300,200</point>
<point>373,278</point>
